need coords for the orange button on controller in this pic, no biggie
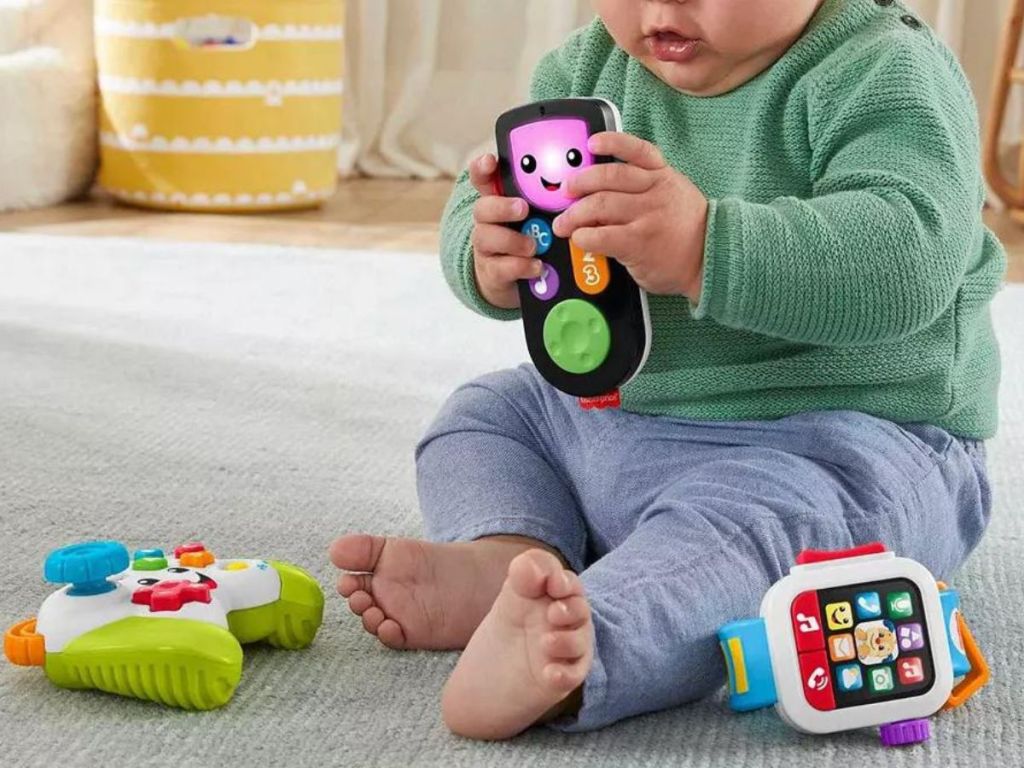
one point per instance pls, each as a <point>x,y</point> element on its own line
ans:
<point>590,270</point>
<point>22,646</point>
<point>199,559</point>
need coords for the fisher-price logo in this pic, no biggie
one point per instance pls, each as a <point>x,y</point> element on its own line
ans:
<point>611,400</point>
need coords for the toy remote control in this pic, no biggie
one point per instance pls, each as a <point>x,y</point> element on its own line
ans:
<point>586,320</point>
<point>166,629</point>
<point>854,639</point>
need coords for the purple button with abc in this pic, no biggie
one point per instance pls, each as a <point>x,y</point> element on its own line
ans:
<point>545,287</point>
<point>911,637</point>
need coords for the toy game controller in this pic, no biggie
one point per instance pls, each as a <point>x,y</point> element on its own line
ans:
<point>167,629</point>
<point>854,639</point>
<point>586,320</point>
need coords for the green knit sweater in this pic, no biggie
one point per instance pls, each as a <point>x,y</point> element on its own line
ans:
<point>846,263</point>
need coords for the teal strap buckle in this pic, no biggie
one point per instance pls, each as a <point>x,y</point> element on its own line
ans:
<point>950,600</point>
<point>751,679</point>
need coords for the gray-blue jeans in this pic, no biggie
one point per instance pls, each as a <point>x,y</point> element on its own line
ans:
<point>677,527</point>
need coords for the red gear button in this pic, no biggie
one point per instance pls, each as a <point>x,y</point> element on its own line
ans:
<point>192,546</point>
<point>171,595</point>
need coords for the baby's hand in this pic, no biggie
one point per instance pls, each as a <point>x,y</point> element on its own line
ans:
<point>642,212</point>
<point>501,256</point>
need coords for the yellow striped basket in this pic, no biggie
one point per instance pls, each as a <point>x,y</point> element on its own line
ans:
<point>209,105</point>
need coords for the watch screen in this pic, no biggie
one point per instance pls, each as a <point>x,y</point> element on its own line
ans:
<point>862,644</point>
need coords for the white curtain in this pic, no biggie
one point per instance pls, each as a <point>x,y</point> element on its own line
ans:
<point>426,78</point>
<point>974,36</point>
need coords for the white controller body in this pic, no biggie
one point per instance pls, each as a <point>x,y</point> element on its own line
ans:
<point>240,584</point>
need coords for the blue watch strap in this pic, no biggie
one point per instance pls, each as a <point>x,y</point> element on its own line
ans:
<point>751,680</point>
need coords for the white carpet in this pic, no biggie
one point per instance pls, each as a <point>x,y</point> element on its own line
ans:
<point>265,400</point>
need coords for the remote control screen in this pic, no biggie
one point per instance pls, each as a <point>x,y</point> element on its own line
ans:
<point>546,153</point>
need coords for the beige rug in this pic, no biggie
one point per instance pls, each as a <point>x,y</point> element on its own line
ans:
<point>267,399</point>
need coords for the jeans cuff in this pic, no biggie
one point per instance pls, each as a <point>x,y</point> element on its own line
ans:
<point>533,527</point>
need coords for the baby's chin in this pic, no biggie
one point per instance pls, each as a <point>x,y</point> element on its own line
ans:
<point>702,77</point>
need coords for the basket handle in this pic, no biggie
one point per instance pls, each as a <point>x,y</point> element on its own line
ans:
<point>214,32</point>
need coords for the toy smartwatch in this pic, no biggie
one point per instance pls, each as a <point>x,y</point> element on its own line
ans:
<point>854,639</point>
<point>586,320</point>
<point>166,629</point>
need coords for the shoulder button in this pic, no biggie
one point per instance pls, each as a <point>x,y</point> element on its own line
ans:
<point>911,21</point>
<point>86,566</point>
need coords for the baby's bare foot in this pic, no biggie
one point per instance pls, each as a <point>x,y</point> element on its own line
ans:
<point>415,594</point>
<point>532,650</point>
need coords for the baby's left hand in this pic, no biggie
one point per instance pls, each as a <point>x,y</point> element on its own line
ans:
<point>642,212</point>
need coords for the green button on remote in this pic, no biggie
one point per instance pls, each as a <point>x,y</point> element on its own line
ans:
<point>577,336</point>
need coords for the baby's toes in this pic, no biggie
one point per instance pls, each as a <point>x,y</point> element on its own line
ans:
<point>391,634</point>
<point>360,602</point>
<point>570,612</point>
<point>566,676</point>
<point>350,583</point>
<point>373,617</point>
<point>565,644</point>
<point>564,584</point>
<point>530,573</point>
<point>357,551</point>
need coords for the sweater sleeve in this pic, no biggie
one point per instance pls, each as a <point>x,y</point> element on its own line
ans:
<point>881,245</point>
<point>552,79</point>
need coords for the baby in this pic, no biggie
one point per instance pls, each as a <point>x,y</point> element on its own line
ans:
<point>799,192</point>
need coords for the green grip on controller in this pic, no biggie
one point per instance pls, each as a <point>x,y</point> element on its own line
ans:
<point>195,666</point>
<point>576,336</point>
<point>290,622</point>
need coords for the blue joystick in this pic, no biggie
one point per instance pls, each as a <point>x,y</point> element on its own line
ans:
<point>86,566</point>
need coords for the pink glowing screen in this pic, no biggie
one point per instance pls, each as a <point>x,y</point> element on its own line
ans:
<point>545,155</point>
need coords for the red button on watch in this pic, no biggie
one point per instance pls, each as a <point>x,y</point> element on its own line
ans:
<point>817,681</point>
<point>809,556</point>
<point>807,622</point>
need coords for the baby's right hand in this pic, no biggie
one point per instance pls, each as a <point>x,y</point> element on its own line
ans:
<point>501,256</point>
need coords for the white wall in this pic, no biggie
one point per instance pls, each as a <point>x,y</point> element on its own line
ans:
<point>973,29</point>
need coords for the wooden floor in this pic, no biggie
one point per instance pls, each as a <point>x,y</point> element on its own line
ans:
<point>378,214</point>
<point>1011,233</point>
<point>365,213</point>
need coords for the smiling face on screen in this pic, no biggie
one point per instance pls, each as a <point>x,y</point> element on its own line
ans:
<point>545,155</point>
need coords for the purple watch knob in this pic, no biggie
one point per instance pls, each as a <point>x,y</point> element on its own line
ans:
<point>905,732</point>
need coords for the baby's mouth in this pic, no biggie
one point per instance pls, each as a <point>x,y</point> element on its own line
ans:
<point>670,46</point>
<point>550,187</point>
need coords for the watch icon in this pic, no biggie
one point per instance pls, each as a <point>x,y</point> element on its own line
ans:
<point>807,623</point>
<point>818,679</point>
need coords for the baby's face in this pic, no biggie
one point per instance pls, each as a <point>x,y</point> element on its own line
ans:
<point>706,47</point>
